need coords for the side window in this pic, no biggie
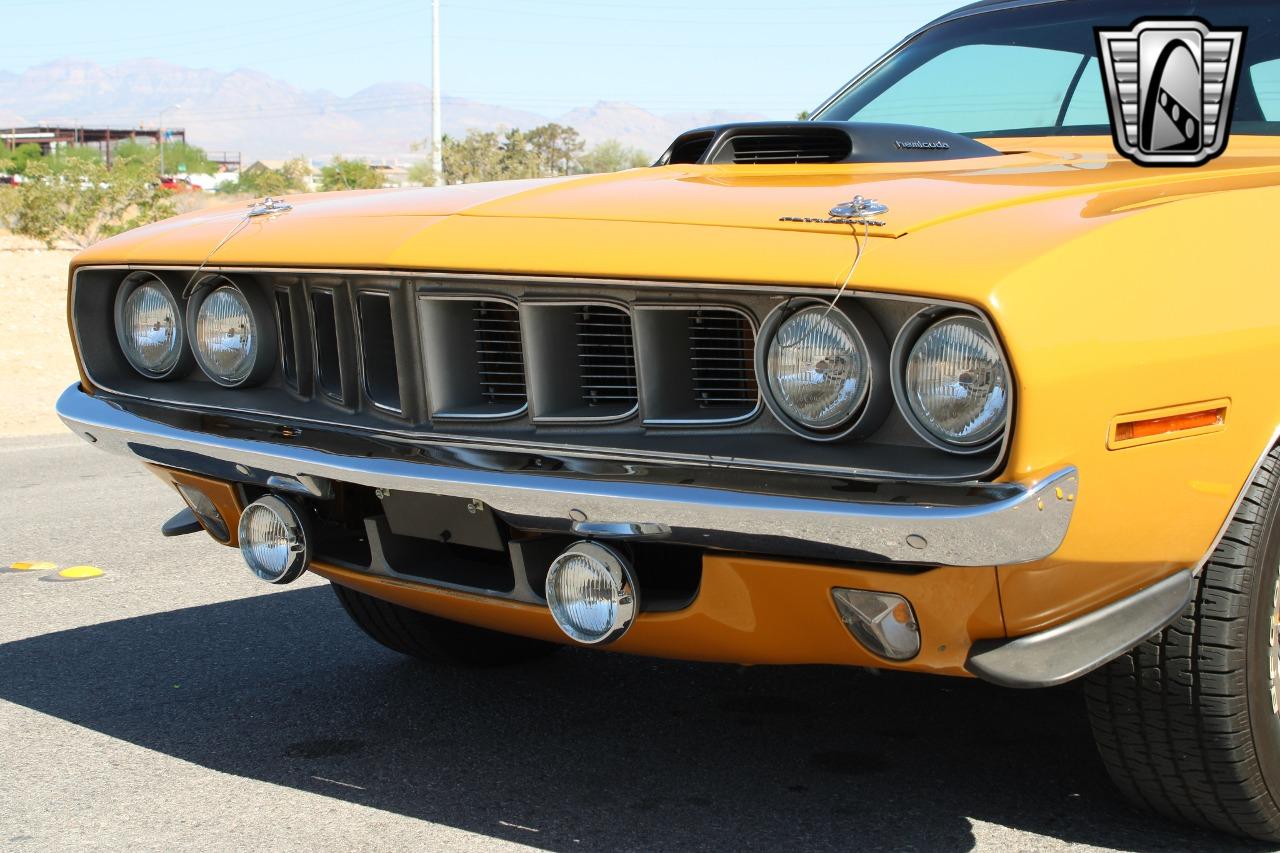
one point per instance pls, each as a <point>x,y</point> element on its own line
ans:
<point>980,87</point>
<point>1266,82</point>
<point>1088,104</point>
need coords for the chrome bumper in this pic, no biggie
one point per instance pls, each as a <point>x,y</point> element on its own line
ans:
<point>1019,524</point>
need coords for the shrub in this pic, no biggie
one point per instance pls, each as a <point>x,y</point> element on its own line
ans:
<point>82,201</point>
<point>349,175</point>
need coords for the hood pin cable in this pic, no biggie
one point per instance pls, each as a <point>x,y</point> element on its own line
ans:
<point>268,207</point>
<point>852,213</point>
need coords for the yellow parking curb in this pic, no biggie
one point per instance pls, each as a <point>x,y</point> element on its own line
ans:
<point>80,573</point>
<point>33,566</point>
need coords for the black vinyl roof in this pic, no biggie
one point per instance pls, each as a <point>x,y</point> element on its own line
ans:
<point>981,5</point>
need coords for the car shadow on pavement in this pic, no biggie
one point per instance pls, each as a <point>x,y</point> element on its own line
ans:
<point>586,751</point>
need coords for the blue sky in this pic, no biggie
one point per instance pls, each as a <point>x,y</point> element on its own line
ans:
<point>665,55</point>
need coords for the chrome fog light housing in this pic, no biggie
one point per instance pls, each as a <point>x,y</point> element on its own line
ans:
<point>232,332</point>
<point>956,385</point>
<point>592,593</point>
<point>882,622</point>
<point>149,327</point>
<point>274,540</point>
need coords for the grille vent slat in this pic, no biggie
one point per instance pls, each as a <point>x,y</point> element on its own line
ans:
<point>500,357</point>
<point>606,356</point>
<point>722,357</point>
<point>473,353</point>
<point>817,146</point>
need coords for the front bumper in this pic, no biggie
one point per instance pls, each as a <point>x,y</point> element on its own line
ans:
<point>961,525</point>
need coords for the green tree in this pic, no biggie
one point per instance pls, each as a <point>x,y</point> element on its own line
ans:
<point>557,148</point>
<point>259,180</point>
<point>421,173</point>
<point>15,162</point>
<point>349,175</point>
<point>85,153</point>
<point>803,115</point>
<point>520,158</point>
<point>179,157</point>
<point>481,155</point>
<point>8,204</point>
<point>82,200</point>
<point>473,158</point>
<point>612,156</point>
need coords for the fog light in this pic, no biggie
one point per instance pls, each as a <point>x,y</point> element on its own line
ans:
<point>274,541</point>
<point>591,593</point>
<point>881,621</point>
<point>200,504</point>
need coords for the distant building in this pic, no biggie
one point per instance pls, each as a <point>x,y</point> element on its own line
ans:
<point>393,174</point>
<point>52,137</point>
<point>310,179</point>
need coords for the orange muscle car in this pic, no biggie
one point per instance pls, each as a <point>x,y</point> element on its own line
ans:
<point>939,380</point>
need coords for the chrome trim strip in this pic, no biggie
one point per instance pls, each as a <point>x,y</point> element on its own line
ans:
<point>621,529</point>
<point>1028,525</point>
<point>1064,653</point>
<point>1235,506</point>
<point>781,291</point>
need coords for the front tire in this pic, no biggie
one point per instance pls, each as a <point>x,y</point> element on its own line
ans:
<point>1188,723</point>
<point>436,640</point>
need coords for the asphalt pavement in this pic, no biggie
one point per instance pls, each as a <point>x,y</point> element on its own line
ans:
<point>175,703</point>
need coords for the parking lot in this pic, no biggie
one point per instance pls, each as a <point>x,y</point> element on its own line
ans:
<point>175,702</point>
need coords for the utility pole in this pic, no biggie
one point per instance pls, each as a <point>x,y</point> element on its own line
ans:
<point>437,133</point>
<point>161,144</point>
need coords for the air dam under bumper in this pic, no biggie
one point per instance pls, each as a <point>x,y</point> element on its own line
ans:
<point>1021,523</point>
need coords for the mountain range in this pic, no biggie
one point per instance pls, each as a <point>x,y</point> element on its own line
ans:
<point>266,118</point>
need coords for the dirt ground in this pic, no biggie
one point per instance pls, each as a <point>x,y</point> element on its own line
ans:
<point>35,351</point>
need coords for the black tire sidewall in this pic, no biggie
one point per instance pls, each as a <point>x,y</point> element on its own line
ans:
<point>1264,724</point>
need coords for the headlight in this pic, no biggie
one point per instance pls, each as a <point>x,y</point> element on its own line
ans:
<point>818,368</point>
<point>957,384</point>
<point>149,326</point>
<point>229,331</point>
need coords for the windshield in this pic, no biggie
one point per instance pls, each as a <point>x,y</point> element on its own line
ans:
<point>1033,71</point>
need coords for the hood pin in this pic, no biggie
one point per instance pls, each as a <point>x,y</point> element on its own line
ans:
<point>860,211</point>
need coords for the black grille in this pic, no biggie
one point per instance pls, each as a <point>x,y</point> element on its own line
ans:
<point>606,356</point>
<point>500,356</point>
<point>324,330</point>
<point>722,357</point>
<point>819,146</point>
<point>288,346</point>
<point>378,348</point>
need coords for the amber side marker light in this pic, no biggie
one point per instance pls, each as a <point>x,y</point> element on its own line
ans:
<point>1166,424</point>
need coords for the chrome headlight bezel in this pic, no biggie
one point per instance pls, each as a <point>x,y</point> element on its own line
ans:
<point>876,395</point>
<point>261,314</point>
<point>184,359</point>
<point>910,335</point>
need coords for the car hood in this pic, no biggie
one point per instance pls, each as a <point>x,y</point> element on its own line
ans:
<point>683,221</point>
